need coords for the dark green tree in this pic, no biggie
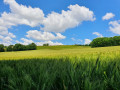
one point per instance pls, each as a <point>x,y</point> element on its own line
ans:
<point>18,47</point>
<point>2,48</point>
<point>116,40</point>
<point>32,46</point>
<point>10,48</point>
<point>46,44</point>
<point>105,41</point>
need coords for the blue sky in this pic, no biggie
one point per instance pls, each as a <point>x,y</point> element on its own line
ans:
<point>51,21</point>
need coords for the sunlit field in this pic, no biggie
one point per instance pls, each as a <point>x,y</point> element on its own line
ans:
<point>63,51</point>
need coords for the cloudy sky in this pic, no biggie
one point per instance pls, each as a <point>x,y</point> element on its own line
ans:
<point>58,22</point>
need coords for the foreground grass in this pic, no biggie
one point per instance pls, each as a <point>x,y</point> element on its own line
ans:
<point>60,74</point>
<point>62,51</point>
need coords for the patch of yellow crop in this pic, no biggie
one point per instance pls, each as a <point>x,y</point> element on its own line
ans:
<point>80,52</point>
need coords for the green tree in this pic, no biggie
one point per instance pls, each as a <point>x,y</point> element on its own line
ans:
<point>116,40</point>
<point>18,47</point>
<point>106,41</point>
<point>32,46</point>
<point>47,44</point>
<point>2,48</point>
<point>10,48</point>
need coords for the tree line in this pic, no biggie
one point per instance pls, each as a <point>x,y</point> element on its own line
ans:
<point>18,47</point>
<point>105,41</point>
<point>97,42</point>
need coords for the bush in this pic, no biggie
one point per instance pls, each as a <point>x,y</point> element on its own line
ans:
<point>25,47</point>
<point>31,46</point>
<point>116,40</point>
<point>46,44</point>
<point>2,48</point>
<point>10,48</point>
<point>18,47</point>
<point>106,41</point>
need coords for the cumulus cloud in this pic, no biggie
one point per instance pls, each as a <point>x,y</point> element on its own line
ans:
<point>19,15</point>
<point>25,41</point>
<point>76,14</point>
<point>98,34</point>
<point>87,41</point>
<point>49,42</point>
<point>115,26</point>
<point>108,16</point>
<point>44,36</point>
<point>3,30</point>
<point>1,37</point>
<point>54,22</point>
<point>11,35</point>
<point>7,39</point>
<point>77,41</point>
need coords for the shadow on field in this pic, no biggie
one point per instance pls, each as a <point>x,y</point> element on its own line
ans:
<point>61,74</point>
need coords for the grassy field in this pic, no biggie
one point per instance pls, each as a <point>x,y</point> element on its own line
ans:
<point>63,51</point>
<point>60,74</point>
<point>61,68</point>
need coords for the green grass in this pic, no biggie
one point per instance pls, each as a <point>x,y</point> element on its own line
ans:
<point>62,51</point>
<point>61,68</point>
<point>60,47</point>
<point>60,74</point>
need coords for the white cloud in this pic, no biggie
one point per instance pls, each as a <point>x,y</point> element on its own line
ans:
<point>3,30</point>
<point>56,22</point>
<point>7,39</point>
<point>1,37</point>
<point>49,42</point>
<point>19,15</point>
<point>87,41</point>
<point>98,34</point>
<point>77,41</point>
<point>44,36</point>
<point>73,39</point>
<point>25,15</point>
<point>115,26</point>
<point>6,43</point>
<point>25,41</point>
<point>11,35</point>
<point>108,16</point>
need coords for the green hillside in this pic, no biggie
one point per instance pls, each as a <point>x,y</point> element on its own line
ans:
<point>62,51</point>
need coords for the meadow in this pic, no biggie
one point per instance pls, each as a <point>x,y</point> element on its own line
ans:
<point>62,51</point>
<point>61,68</point>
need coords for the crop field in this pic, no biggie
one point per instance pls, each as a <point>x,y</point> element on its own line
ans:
<point>63,51</point>
<point>61,68</point>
